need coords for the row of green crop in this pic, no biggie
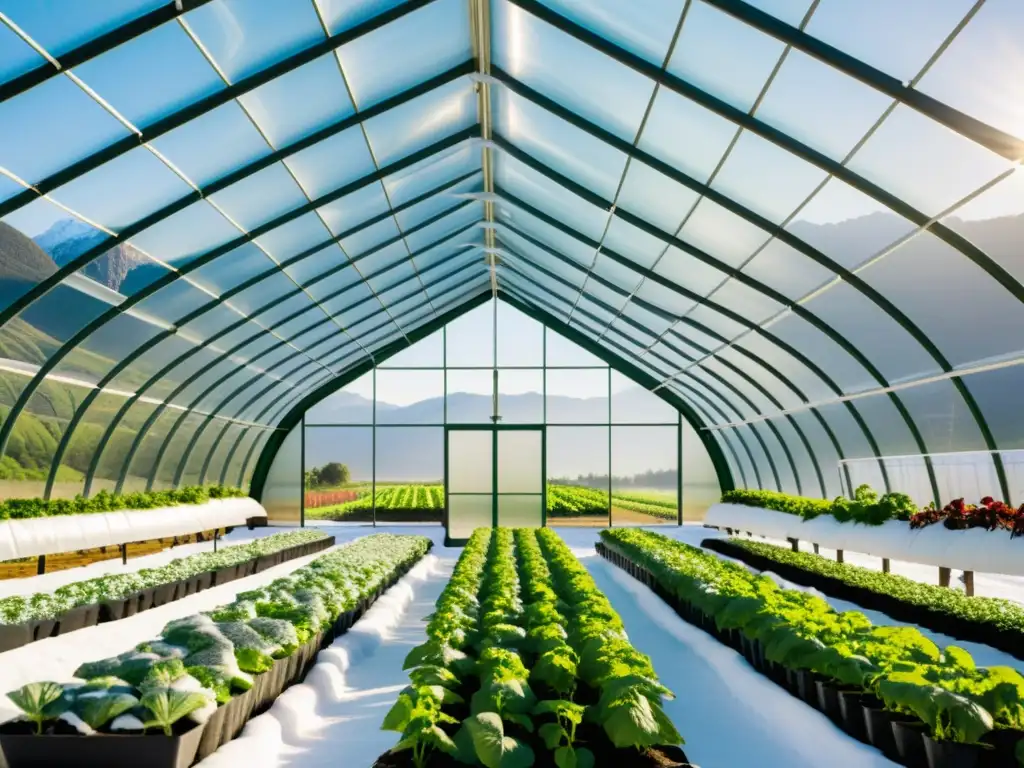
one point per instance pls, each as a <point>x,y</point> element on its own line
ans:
<point>517,664</point>
<point>397,497</point>
<point>573,501</point>
<point>910,674</point>
<point>998,613</point>
<point>199,662</point>
<point>17,509</point>
<point>48,605</point>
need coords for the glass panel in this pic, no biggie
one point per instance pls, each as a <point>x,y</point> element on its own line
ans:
<point>469,396</point>
<point>424,43</point>
<point>632,404</point>
<point>898,38</point>
<point>282,490</point>
<point>410,397</point>
<point>421,122</point>
<point>925,275</point>
<point>997,392</point>
<point>351,405</point>
<point>900,156</point>
<point>563,353</point>
<point>60,27</point>
<point>339,474</point>
<point>645,475</point>
<point>688,137</point>
<point>425,353</point>
<point>568,71</point>
<point>520,396</point>
<point>577,396</point>
<point>519,461</point>
<point>34,145</point>
<point>296,104</point>
<point>245,37</point>
<point>470,338</point>
<point>470,461</point>
<point>520,510</point>
<point>174,71</point>
<point>577,475</point>
<point>467,513</point>
<point>410,474</point>
<point>700,481</point>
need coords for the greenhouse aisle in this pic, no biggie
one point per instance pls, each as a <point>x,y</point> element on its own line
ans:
<point>729,714</point>
<point>333,718</point>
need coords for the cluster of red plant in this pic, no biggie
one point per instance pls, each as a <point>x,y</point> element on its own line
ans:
<point>327,498</point>
<point>988,514</point>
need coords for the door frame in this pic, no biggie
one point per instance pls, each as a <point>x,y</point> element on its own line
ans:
<point>494,429</point>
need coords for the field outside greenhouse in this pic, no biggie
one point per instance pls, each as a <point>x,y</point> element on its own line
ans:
<point>570,504</point>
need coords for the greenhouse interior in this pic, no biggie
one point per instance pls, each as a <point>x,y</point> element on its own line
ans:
<point>511,383</point>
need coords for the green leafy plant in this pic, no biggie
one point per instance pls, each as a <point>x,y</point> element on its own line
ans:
<point>560,736</point>
<point>39,702</point>
<point>104,501</point>
<point>166,706</point>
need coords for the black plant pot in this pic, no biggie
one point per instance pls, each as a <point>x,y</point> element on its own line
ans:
<point>851,712</point>
<point>878,723</point>
<point>828,701</point>
<point>806,688</point>
<point>164,594</point>
<point>951,754</point>
<point>1004,744</point>
<point>78,618</point>
<point>43,628</point>
<point>224,575</point>
<point>145,599</point>
<point>15,635</point>
<point>204,580</point>
<point>910,743</point>
<point>23,750</point>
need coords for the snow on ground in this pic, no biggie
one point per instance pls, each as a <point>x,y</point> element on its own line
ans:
<point>57,658</point>
<point>333,718</point>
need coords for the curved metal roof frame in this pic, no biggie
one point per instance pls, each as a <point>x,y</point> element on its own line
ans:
<point>494,146</point>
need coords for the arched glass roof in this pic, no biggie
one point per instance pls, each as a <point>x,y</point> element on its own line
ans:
<point>799,220</point>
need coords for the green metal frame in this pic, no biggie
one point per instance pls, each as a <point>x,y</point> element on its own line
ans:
<point>615,361</point>
<point>770,228</point>
<point>83,333</point>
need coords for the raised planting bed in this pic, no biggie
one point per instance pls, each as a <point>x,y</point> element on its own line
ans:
<point>890,687</point>
<point>976,549</point>
<point>43,535</point>
<point>527,664</point>
<point>115,596</point>
<point>992,621</point>
<point>176,699</point>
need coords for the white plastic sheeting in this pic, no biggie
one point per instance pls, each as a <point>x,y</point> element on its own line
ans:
<point>67,533</point>
<point>333,718</point>
<point>972,550</point>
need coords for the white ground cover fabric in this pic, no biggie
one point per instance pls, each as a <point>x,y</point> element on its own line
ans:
<point>57,658</point>
<point>333,718</point>
<point>67,533</point>
<point>972,550</point>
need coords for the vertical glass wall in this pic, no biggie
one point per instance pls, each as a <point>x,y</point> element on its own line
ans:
<point>373,452</point>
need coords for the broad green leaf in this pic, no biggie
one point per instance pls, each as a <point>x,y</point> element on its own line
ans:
<point>398,716</point>
<point>493,748</point>
<point>40,701</point>
<point>551,733</point>
<point>632,723</point>
<point>167,706</point>
<point>584,758</point>
<point>98,709</point>
<point>565,757</point>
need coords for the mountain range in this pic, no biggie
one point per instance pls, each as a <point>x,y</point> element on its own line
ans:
<point>417,452</point>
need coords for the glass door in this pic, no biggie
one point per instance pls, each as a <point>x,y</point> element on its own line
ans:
<point>521,478</point>
<point>493,476</point>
